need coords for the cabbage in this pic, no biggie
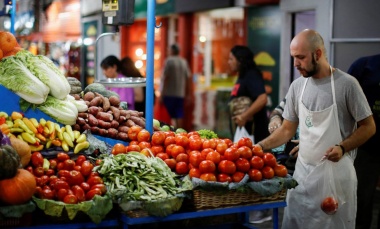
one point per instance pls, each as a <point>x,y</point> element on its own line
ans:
<point>15,76</point>
<point>45,70</point>
<point>63,111</point>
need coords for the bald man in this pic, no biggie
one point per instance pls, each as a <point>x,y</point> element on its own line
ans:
<point>334,119</point>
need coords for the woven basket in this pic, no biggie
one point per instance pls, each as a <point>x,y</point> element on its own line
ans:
<point>208,199</point>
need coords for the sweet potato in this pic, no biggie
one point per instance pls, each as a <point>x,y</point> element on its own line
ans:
<point>114,124</point>
<point>102,132</point>
<point>122,136</point>
<point>130,123</point>
<point>86,127</point>
<point>104,124</point>
<point>137,121</point>
<point>92,120</point>
<point>106,104</point>
<point>97,101</point>
<point>89,96</point>
<point>114,101</point>
<point>94,110</point>
<point>125,113</point>
<point>81,121</point>
<point>104,116</point>
<point>94,129</point>
<point>123,129</point>
<point>83,115</point>
<point>115,112</point>
<point>112,133</point>
<point>77,127</point>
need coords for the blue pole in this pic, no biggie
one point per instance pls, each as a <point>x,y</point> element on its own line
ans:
<point>13,17</point>
<point>151,22</point>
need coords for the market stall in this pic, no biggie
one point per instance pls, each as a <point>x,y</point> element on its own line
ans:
<point>84,160</point>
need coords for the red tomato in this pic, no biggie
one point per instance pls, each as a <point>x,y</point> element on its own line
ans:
<point>329,205</point>
<point>45,179</point>
<point>181,168</point>
<point>169,149</point>
<point>213,156</point>
<point>98,161</point>
<point>255,175</point>
<point>60,165</point>
<point>143,136</point>
<point>144,144</point>
<point>181,140</point>
<point>182,157</point>
<point>209,143</point>
<point>102,188</point>
<point>267,172</point>
<point>118,148</point>
<point>228,142</point>
<point>221,147</point>
<point>30,169</point>
<point>171,162</point>
<point>38,171</point>
<point>158,138</point>
<point>245,142</point>
<point>224,178</point>
<point>69,164</point>
<point>169,140</point>
<point>280,171</point>
<point>269,160</point>
<point>163,156</point>
<point>257,162</point>
<point>53,163</point>
<point>206,151</point>
<point>208,177</point>
<point>245,152</point>
<point>146,152</point>
<point>77,168</point>
<point>242,165</point>
<point>80,159</point>
<point>238,176</point>
<point>194,172</point>
<point>133,148</point>
<point>76,178</point>
<point>85,186</point>
<point>52,180</point>
<point>62,156</point>
<point>176,150</point>
<point>193,134</point>
<point>169,133</point>
<point>38,192</point>
<point>195,158</point>
<point>90,194</point>
<point>60,184</point>
<point>195,143</point>
<point>94,180</point>
<point>37,159</point>
<point>231,154</point>
<point>61,193</point>
<point>207,166</point>
<point>227,167</point>
<point>157,149</point>
<point>86,168</point>
<point>133,143</point>
<point>79,193</point>
<point>133,131</point>
<point>257,151</point>
<point>70,199</point>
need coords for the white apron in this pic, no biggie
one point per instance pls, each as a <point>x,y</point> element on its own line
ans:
<point>319,130</point>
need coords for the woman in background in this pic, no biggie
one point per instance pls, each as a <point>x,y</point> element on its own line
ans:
<point>111,66</point>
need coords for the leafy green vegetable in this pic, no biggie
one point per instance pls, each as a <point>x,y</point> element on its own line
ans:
<point>15,76</point>
<point>63,111</point>
<point>45,70</point>
<point>209,134</point>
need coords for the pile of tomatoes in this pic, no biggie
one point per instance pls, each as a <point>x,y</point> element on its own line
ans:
<point>64,179</point>
<point>208,159</point>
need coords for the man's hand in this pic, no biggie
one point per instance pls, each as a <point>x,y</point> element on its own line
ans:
<point>274,123</point>
<point>334,153</point>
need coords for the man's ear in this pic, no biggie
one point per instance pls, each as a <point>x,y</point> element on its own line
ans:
<point>318,54</point>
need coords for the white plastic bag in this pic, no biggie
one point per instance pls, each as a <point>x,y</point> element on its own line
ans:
<point>323,185</point>
<point>242,132</point>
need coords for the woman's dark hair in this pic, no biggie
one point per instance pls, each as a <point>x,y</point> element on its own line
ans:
<point>245,57</point>
<point>111,61</point>
<point>175,49</point>
<point>128,68</point>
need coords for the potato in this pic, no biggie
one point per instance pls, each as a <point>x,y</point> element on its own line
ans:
<point>114,101</point>
<point>89,96</point>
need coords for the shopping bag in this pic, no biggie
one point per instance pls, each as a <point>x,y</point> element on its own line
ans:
<point>242,132</point>
<point>323,186</point>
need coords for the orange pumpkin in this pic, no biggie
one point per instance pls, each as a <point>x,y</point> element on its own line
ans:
<point>18,189</point>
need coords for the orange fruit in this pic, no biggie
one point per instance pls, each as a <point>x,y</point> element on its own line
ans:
<point>7,41</point>
<point>13,51</point>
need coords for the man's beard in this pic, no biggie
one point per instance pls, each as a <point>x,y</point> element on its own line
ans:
<point>313,71</point>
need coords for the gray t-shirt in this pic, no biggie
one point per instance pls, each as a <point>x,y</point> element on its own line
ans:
<point>351,102</point>
<point>174,77</point>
